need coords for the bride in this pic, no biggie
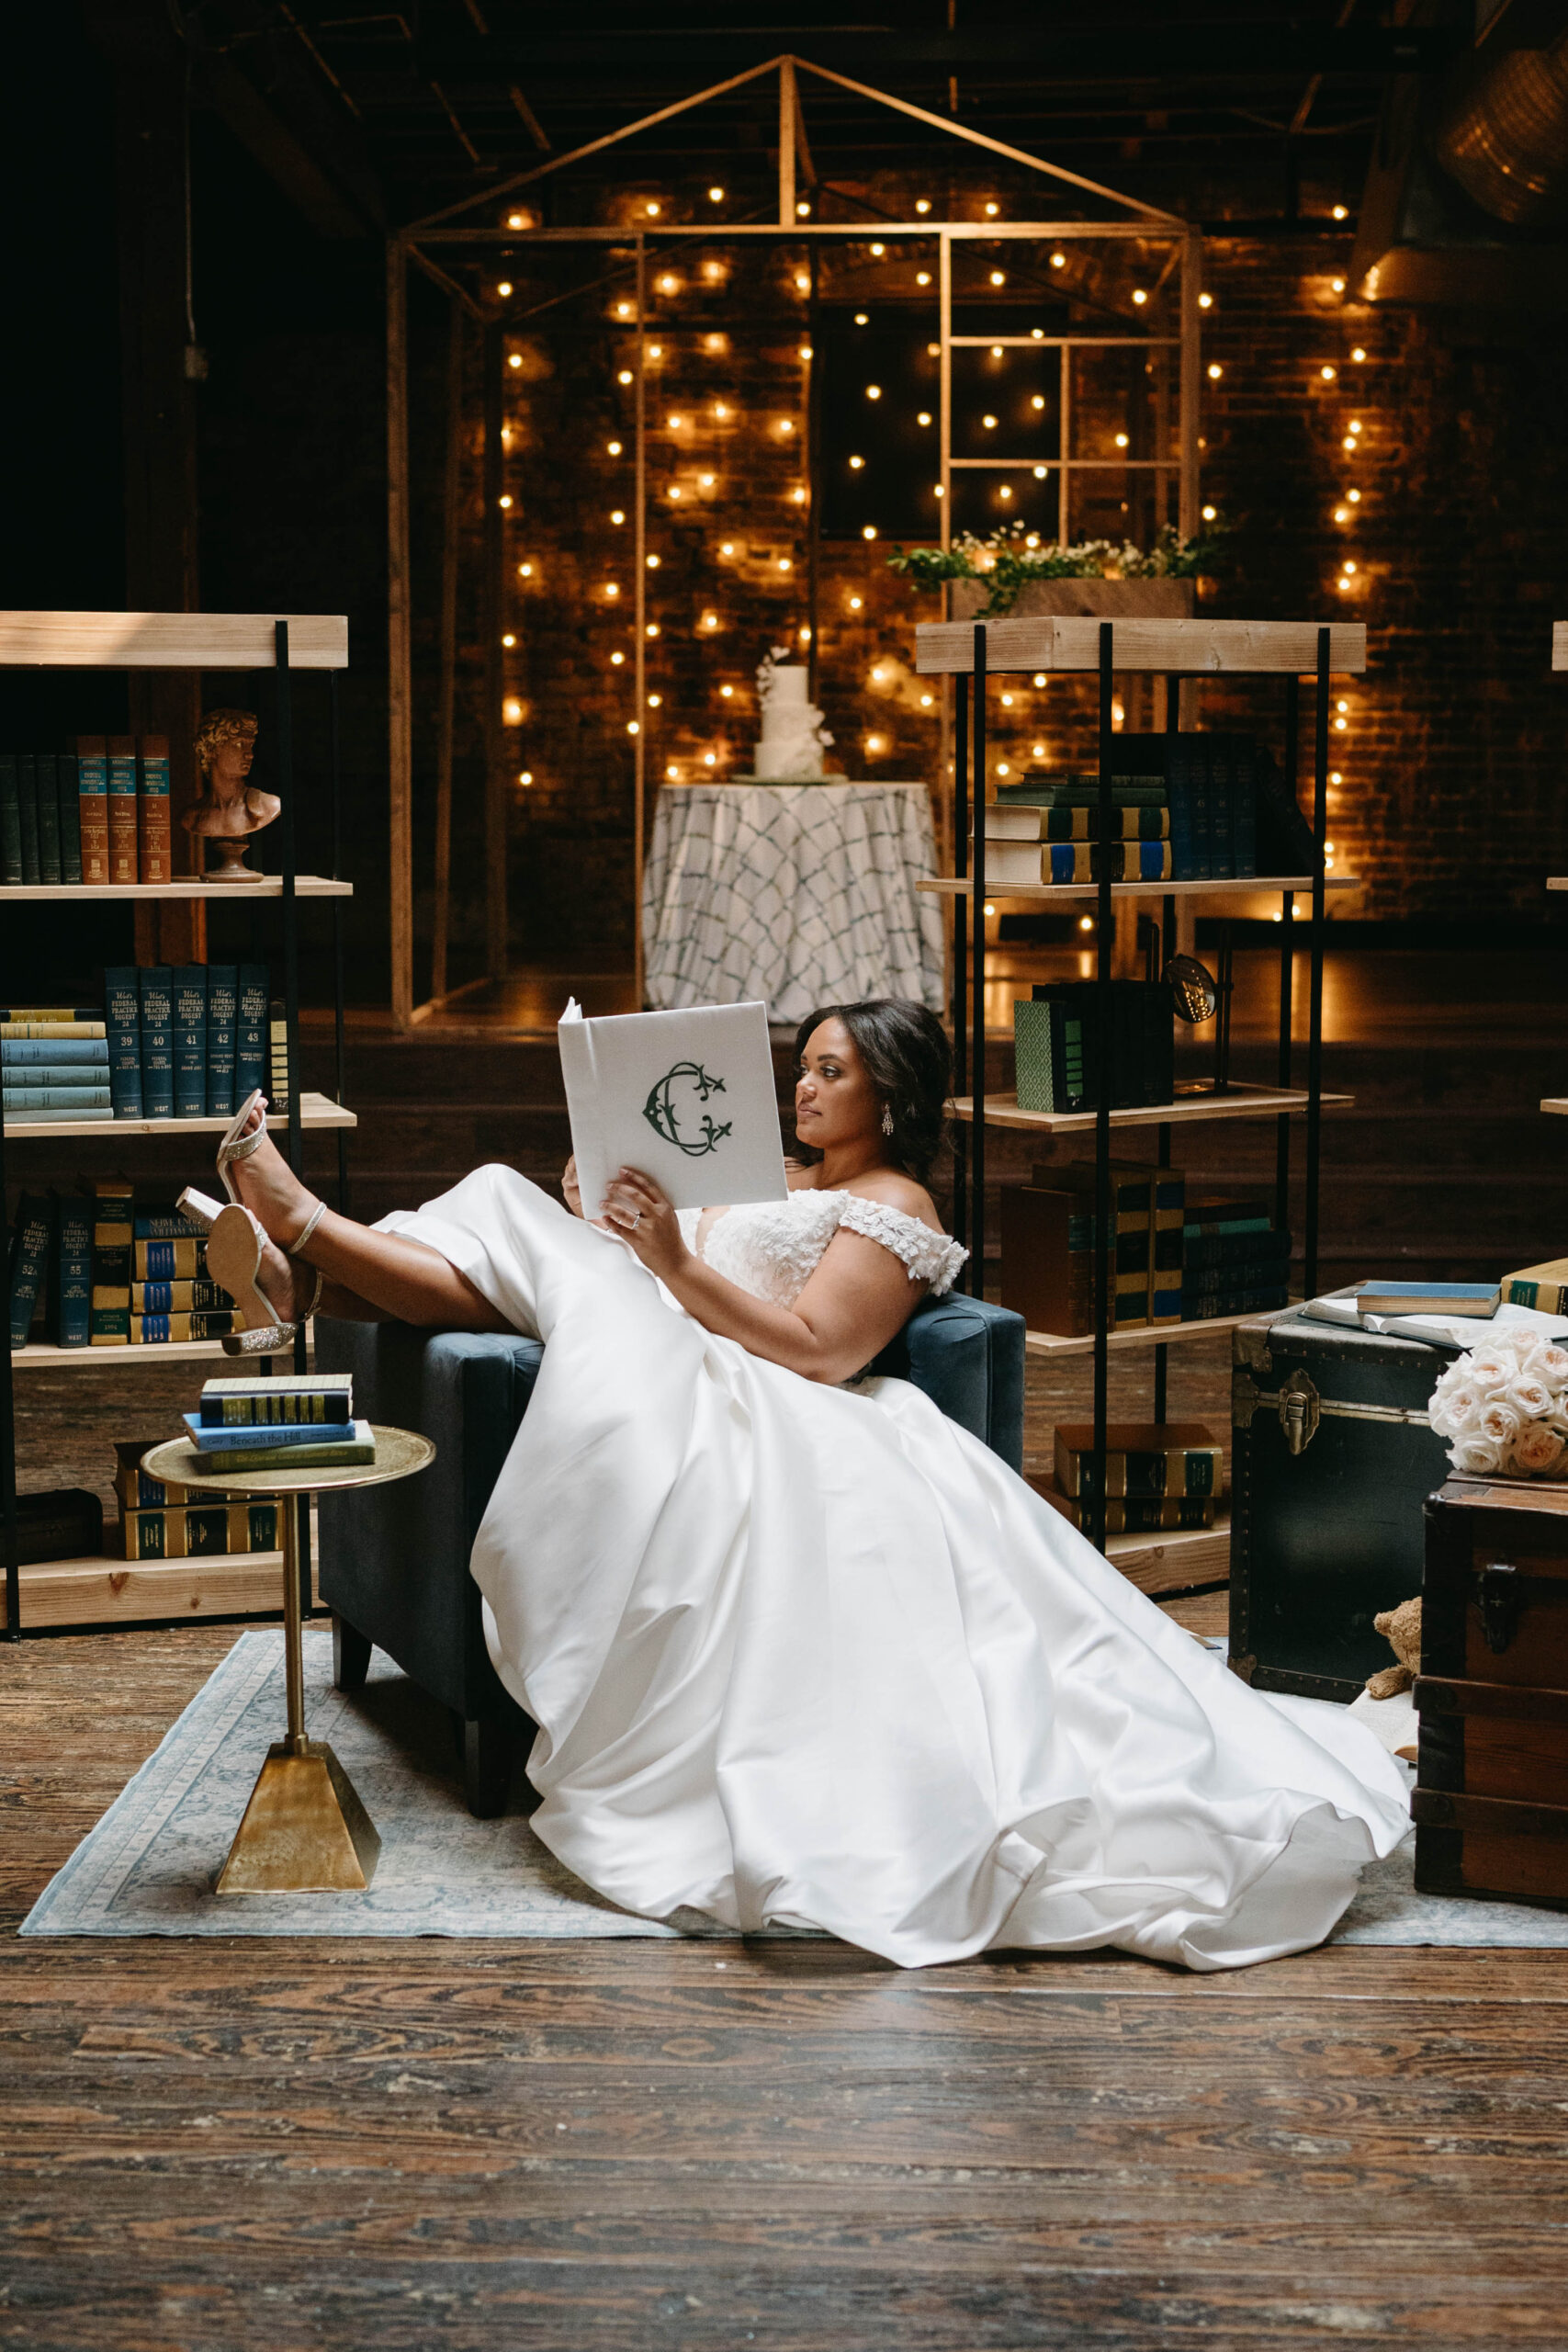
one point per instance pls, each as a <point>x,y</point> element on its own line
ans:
<point>802,1652</point>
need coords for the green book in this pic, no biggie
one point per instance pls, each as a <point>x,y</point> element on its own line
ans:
<point>70,799</point>
<point>46,786</point>
<point>10,821</point>
<point>293,1457</point>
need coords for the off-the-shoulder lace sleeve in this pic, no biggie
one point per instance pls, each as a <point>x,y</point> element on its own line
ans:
<point>928,1257</point>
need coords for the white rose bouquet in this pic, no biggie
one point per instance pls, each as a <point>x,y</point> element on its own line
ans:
<point>1504,1406</point>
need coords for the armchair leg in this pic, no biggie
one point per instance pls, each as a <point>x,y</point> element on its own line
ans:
<point>487,1766</point>
<point>351,1655</point>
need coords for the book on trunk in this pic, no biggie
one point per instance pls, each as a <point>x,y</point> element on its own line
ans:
<point>222,983</point>
<point>47,788</point>
<point>93,807</point>
<point>293,1398</point>
<point>10,821</point>
<point>26,797</point>
<point>1474,1302</point>
<point>155,988</point>
<point>29,1262</point>
<point>160,1330</point>
<point>1544,1287</point>
<point>251,1032</point>
<point>154,845</point>
<point>73,1269</point>
<point>1158,1459</point>
<point>123,1017</point>
<point>190,989</point>
<point>69,792</point>
<point>124,854</point>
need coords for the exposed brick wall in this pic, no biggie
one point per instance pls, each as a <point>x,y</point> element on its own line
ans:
<point>1451,804</point>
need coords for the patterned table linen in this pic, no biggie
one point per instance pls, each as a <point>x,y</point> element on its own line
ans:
<point>800,894</point>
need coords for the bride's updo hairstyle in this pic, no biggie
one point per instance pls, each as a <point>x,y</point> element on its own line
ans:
<point>910,1062</point>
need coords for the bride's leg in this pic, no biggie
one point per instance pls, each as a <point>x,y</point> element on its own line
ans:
<point>369,1277</point>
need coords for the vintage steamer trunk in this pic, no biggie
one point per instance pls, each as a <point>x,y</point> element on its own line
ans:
<point>1332,1461</point>
<point>1491,1802</point>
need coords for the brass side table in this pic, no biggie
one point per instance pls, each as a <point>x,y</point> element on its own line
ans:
<point>304,1829</point>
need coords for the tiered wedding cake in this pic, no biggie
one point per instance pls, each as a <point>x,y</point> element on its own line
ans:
<point>794,737</point>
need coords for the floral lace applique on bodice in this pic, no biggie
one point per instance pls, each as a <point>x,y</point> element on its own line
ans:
<point>773,1248</point>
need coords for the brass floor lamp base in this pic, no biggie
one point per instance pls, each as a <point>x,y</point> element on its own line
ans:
<point>304,1830</point>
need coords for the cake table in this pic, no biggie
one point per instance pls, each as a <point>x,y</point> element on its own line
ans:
<point>801,894</point>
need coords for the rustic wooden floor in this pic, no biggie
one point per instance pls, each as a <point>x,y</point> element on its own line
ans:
<point>210,2146</point>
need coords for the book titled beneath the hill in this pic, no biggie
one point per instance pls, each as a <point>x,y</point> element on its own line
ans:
<point>301,1447</point>
<point>688,1098</point>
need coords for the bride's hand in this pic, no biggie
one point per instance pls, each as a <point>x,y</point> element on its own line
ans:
<point>569,1193</point>
<point>636,1212</point>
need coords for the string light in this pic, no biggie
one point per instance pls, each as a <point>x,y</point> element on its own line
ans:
<point>1058,261</point>
<point>1340,213</point>
<point>653,562</point>
<point>868,530</point>
<point>1342,513</point>
<point>802,210</point>
<point>614,447</point>
<point>675,489</point>
<point>922,277</point>
<point>726,691</point>
<point>721,413</point>
<point>1038,334</point>
<point>799,495</point>
<point>875,743</point>
<point>518,219</point>
<point>938,492</point>
<point>632,727</point>
<point>625,376</point>
<point>1007,702</point>
<point>511,711</point>
<point>878,251</point>
<point>1086,922</point>
<point>525,572</point>
<point>874,392</point>
<point>806,351</point>
<point>855,464</point>
<point>652,629</point>
<point>669,284</point>
<point>652,210</point>
<point>616,660</point>
<point>989,423</point>
<point>1121,440</point>
<point>1205,301</point>
<point>787,424</point>
<point>505,499</point>
<point>674,774</point>
<point>514,360</point>
<point>1357,355</point>
<point>925,702</point>
<point>991,210</point>
<point>509,638</point>
<point>504,288</point>
<point>716,196</point>
<point>709,761</point>
<point>707,480</point>
<point>656,351</point>
<point>922,204</point>
<point>855,604</point>
<point>1354,496</point>
<point>1038,400</point>
<point>1039,678</point>
<point>728,548</point>
<point>617,514</point>
<point>1039,473</point>
<point>612,588</point>
<point>654,701</point>
<point>525,776</point>
<point>1209,514</point>
<point>1005,491</point>
<point>995,351</point>
<point>1139,296</point>
<point>674,423</point>
<point>998,277</point>
<point>1037,751</point>
<point>1328,374</point>
<point>710,620</point>
<point>1337,285</point>
<point>1216,371</point>
<point>861,320</point>
<point>801,282</point>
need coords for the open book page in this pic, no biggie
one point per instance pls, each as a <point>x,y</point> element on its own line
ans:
<point>1462,1331</point>
<point>687,1097</point>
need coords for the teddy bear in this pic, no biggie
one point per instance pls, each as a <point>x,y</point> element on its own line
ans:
<point>1403,1627</point>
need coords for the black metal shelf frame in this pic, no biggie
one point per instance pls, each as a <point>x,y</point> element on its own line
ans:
<point>969,1002</point>
<point>283,722</point>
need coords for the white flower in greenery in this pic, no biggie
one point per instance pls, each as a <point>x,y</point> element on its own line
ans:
<point>1537,1450</point>
<point>1474,1456</point>
<point>1498,1424</point>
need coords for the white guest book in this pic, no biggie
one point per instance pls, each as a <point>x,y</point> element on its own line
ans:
<point>686,1097</point>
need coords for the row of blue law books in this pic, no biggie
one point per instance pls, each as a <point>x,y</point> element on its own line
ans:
<point>186,1042</point>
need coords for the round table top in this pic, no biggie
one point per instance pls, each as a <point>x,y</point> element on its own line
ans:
<point>399,1454</point>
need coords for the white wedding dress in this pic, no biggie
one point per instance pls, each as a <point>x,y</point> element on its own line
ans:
<point>815,1657</point>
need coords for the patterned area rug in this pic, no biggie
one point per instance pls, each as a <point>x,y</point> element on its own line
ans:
<point>148,1868</point>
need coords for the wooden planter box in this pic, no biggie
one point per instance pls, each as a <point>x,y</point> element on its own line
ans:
<point>1110,599</point>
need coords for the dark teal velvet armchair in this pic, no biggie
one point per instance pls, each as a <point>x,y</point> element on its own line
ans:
<point>394,1559</point>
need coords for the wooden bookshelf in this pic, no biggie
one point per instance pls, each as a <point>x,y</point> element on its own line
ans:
<point>40,1356</point>
<point>1141,1335</point>
<point>71,640</point>
<point>317,1110</point>
<point>1171,1559</point>
<point>99,1590</point>
<point>949,887</point>
<point>1239,1102</point>
<point>266,886</point>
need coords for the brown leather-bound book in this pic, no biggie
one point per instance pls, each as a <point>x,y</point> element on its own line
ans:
<point>93,800</point>
<point>152,813</point>
<point>124,860</point>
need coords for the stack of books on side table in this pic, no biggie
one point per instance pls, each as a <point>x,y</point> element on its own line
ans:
<point>303,1422</point>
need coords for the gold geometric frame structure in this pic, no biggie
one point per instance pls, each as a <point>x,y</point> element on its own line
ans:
<point>445,235</point>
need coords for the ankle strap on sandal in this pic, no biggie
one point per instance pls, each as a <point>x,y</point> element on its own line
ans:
<point>312,1222</point>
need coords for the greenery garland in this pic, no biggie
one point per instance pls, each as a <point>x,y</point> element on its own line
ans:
<point>1007,562</point>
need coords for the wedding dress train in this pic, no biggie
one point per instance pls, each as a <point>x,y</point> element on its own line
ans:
<point>815,1657</point>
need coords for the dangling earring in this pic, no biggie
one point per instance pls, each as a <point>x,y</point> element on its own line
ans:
<point>888,1118</point>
